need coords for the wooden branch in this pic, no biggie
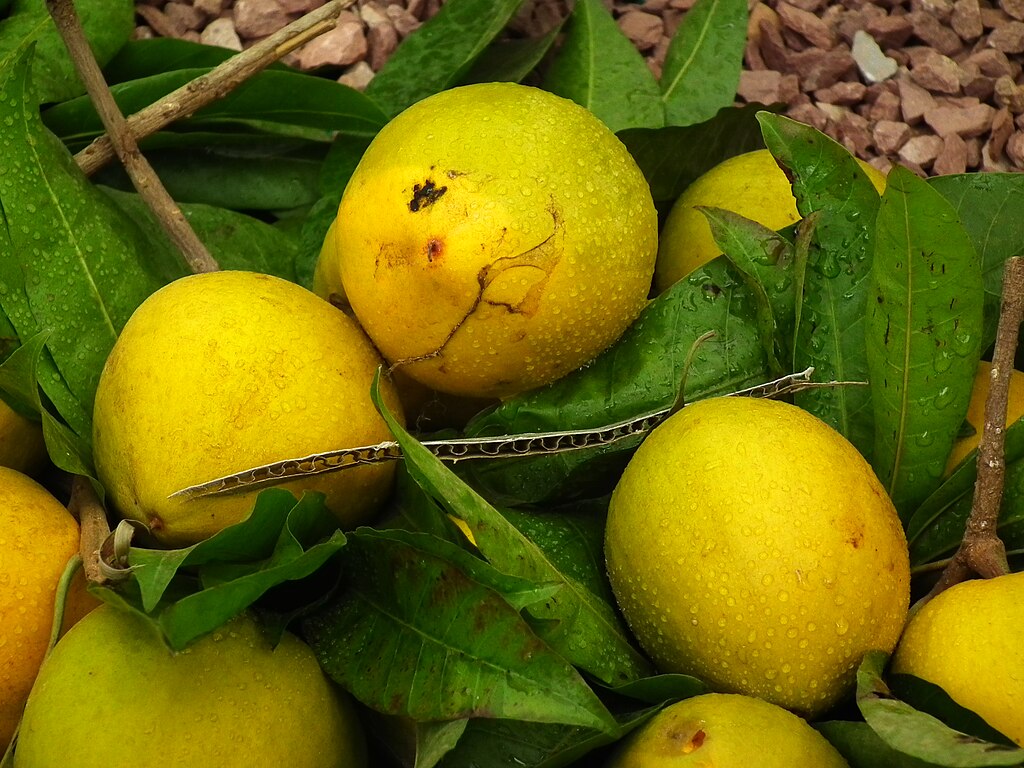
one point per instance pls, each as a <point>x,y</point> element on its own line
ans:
<point>92,519</point>
<point>152,191</point>
<point>982,551</point>
<point>217,83</point>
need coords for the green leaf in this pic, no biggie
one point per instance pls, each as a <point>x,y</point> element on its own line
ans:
<point>600,69</point>
<point>510,61</point>
<point>107,24</point>
<point>831,329</point>
<point>19,377</point>
<point>235,241</point>
<point>930,698</point>
<point>703,62</point>
<point>991,208</point>
<point>440,53</point>
<point>918,734</point>
<point>435,740</point>
<point>576,622</point>
<point>861,747</point>
<point>660,689</point>
<point>142,58</point>
<point>282,540</point>
<point>411,634</point>
<point>640,374</point>
<point>672,158</point>
<point>923,336</point>
<point>71,262</point>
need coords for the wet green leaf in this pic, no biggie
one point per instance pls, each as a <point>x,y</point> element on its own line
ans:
<point>918,734</point>
<point>599,68</point>
<point>192,591</point>
<point>435,740</point>
<point>575,621</point>
<point>703,62</point>
<point>411,634</point>
<point>672,158</point>
<point>510,61</point>
<point>659,689</point>
<point>923,336</point>
<point>991,208</point>
<point>640,374</point>
<point>861,747</point>
<point>930,698</point>
<point>440,53</point>
<point>107,24</point>
<point>71,262</point>
<point>831,330</point>
<point>142,58</point>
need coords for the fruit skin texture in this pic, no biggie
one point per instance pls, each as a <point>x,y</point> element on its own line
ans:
<point>38,537</point>
<point>722,730</point>
<point>976,411</point>
<point>111,693</point>
<point>216,373</point>
<point>752,185</point>
<point>21,441</point>
<point>495,237</point>
<point>750,545</point>
<point>966,640</point>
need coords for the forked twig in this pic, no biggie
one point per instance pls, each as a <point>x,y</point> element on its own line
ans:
<point>167,213</point>
<point>981,551</point>
<point>217,83</point>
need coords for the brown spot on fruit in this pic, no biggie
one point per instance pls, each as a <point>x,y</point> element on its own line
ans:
<point>424,195</point>
<point>435,249</point>
<point>688,739</point>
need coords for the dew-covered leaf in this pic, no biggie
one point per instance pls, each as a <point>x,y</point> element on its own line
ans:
<point>71,262</point>
<point>704,60</point>
<point>600,69</point>
<point>439,54</point>
<point>919,734</point>
<point>107,23</point>
<point>924,329</point>
<point>991,208</point>
<point>575,622</point>
<point>510,61</point>
<point>640,374</point>
<point>831,331</point>
<point>411,634</point>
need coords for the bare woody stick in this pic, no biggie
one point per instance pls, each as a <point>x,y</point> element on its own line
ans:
<point>982,551</point>
<point>94,528</point>
<point>214,85</point>
<point>139,170</point>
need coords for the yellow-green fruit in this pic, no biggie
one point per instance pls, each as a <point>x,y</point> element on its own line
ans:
<point>976,410</point>
<point>21,441</point>
<point>721,730</point>
<point>216,373</point>
<point>752,185</point>
<point>966,640</point>
<point>327,273</point>
<point>112,693</point>
<point>750,545</point>
<point>38,537</point>
<point>495,237</point>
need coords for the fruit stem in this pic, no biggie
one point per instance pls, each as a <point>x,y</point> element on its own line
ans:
<point>982,551</point>
<point>149,187</point>
<point>92,519</point>
<point>215,84</point>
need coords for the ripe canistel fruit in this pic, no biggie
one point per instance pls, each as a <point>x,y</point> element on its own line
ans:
<point>493,238</point>
<point>750,544</point>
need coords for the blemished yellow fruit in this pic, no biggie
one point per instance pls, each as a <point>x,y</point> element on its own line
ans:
<point>976,411</point>
<point>38,536</point>
<point>749,544</point>
<point>722,730</point>
<point>216,373</point>
<point>112,693</point>
<point>495,237</point>
<point>752,185</point>
<point>966,640</point>
<point>21,441</point>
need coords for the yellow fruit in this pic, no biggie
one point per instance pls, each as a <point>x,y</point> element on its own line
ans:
<point>966,640</point>
<point>327,273</point>
<point>495,237</point>
<point>38,537</point>
<point>752,185</point>
<point>112,693</point>
<point>219,372</point>
<point>976,411</point>
<point>721,730</point>
<point>21,441</point>
<point>750,545</point>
